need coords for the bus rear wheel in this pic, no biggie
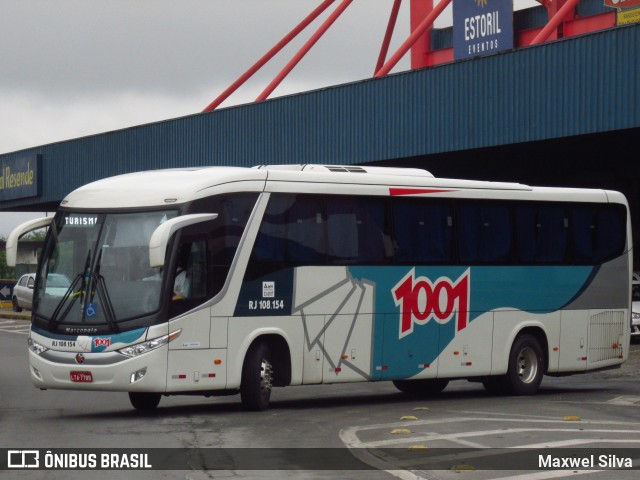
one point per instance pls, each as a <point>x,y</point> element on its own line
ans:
<point>526,366</point>
<point>144,400</point>
<point>257,378</point>
<point>427,386</point>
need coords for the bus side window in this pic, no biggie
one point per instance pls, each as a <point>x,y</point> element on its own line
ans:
<point>190,277</point>
<point>355,230</point>
<point>270,245</point>
<point>542,233</point>
<point>223,234</point>
<point>422,230</point>
<point>305,232</point>
<point>484,232</point>
<point>292,232</point>
<point>597,233</point>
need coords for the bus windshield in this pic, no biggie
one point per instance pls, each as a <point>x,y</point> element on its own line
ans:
<point>95,269</point>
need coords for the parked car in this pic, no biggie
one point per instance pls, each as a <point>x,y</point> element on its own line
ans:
<point>23,292</point>
<point>635,306</point>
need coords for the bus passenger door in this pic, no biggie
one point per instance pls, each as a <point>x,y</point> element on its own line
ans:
<point>194,363</point>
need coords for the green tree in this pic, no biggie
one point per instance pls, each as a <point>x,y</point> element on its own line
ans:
<point>5,271</point>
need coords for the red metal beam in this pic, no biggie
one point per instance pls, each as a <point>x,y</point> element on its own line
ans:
<point>269,55</point>
<point>415,35</point>
<point>554,22</point>
<point>384,49</point>
<point>303,51</point>
<point>418,11</point>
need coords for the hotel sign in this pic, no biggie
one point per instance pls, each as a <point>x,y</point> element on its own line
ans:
<point>20,178</point>
<point>481,27</point>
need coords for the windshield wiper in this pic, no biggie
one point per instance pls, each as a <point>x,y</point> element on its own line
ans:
<point>81,277</point>
<point>54,317</point>
<point>100,286</point>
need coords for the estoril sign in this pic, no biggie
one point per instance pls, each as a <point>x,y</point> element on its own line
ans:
<point>481,27</point>
<point>20,178</point>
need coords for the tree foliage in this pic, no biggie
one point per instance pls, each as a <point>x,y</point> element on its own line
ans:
<point>5,271</point>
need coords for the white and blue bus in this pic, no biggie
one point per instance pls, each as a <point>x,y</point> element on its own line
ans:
<point>235,280</point>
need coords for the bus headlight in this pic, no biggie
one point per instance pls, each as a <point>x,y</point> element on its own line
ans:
<point>145,347</point>
<point>36,347</point>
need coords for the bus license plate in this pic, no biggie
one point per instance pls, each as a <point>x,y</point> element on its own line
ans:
<point>81,377</point>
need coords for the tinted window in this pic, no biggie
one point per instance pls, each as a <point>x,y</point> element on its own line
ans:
<point>292,231</point>
<point>422,230</point>
<point>322,230</point>
<point>484,232</point>
<point>343,230</point>
<point>207,249</point>
<point>355,230</point>
<point>542,232</point>
<point>597,232</point>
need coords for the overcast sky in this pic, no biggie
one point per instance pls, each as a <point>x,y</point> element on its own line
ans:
<point>76,67</point>
<point>72,68</point>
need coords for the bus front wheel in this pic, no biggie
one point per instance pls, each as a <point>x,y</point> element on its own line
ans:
<point>257,378</point>
<point>526,366</point>
<point>144,400</point>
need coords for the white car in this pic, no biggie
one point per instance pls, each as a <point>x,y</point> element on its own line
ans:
<point>22,297</point>
<point>635,306</point>
<point>23,292</point>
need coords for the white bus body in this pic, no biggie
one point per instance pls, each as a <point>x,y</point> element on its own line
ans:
<point>224,280</point>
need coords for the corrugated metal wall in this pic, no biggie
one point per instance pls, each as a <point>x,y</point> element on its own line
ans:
<point>569,87</point>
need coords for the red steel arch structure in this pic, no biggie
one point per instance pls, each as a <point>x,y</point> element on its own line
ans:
<point>563,21</point>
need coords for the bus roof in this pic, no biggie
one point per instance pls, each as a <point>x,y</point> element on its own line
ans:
<point>165,187</point>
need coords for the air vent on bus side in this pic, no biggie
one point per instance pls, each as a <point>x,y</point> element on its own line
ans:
<point>338,168</point>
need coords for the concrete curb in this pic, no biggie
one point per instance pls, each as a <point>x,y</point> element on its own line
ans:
<point>11,315</point>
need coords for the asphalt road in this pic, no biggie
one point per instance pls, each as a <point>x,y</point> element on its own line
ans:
<point>598,410</point>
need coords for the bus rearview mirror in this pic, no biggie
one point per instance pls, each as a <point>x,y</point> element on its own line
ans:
<point>16,233</point>
<point>162,234</point>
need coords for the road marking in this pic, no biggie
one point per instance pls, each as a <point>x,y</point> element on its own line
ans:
<point>550,474</point>
<point>11,326</point>
<point>458,437</point>
<point>372,451</point>
<point>626,400</point>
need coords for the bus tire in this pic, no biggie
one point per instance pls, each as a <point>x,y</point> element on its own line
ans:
<point>426,387</point>
<point>257,378</point>
<point>526,366</point>
<point>144,400</point>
